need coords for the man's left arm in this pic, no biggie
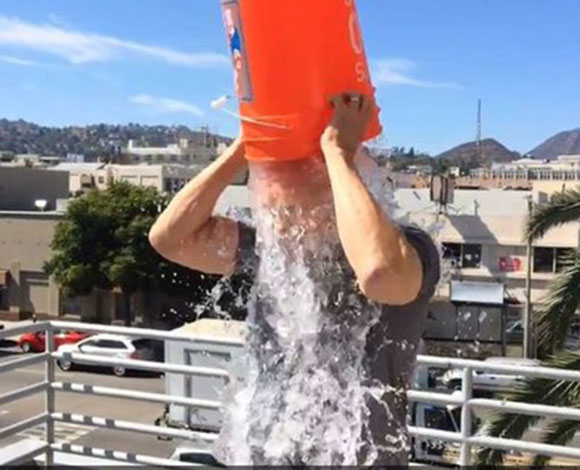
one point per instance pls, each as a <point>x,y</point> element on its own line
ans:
<point>387,266</point>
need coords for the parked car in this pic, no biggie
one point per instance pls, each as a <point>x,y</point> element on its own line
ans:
<point>115,346</point>
<point>490,381</point>
<point>195,456</point>
<point>514,332</point>
<point>36,342</point>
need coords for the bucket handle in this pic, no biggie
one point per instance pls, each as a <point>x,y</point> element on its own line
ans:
<point>221,103</point>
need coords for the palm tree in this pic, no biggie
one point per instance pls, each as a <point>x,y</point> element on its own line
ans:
<point>554,318</point>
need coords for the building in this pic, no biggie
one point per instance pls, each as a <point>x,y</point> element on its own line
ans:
<point>485,259</point>
<point>31,189</point>
<point>525,173</point>
<point>25,288</point>
<point>185,152</point>
<point>82,176</point>
<point>28,160</point>
<point>165,178</point>
<point>481,237</point>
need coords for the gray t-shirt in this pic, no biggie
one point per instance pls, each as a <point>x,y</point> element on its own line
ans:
<point>390,349</point>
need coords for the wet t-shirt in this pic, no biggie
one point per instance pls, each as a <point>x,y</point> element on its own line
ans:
<point>388,349</point>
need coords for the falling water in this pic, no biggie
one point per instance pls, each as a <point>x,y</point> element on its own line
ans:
<point>305,397</point>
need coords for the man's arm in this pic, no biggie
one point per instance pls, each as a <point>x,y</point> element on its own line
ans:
<point>187,233</point>
<point>388,268</point>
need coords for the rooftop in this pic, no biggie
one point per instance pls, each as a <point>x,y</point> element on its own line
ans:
<point>493,202</point>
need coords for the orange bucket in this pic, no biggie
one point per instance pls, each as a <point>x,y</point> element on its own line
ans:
<point>290,57</point>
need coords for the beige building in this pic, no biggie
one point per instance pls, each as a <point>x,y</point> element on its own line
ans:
<point>165,178</point>
<point>481,237</point>
<point>26,290</point>
<point>485,259</point>
<point>25,239</point>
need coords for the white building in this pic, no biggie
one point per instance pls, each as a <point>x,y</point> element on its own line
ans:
<point>185,152</point>
<point>564,168</point>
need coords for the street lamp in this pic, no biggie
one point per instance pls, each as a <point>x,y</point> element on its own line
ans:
<point>41,204</point>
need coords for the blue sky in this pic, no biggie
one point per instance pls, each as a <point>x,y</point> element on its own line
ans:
<point>163,61</point>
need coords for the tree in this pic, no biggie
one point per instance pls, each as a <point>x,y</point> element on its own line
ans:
<point>102,243</point>
<point>554,320</point>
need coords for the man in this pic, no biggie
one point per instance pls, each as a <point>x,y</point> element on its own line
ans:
<point>377,284</point>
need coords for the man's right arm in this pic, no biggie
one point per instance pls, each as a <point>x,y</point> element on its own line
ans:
<point>187,233</point>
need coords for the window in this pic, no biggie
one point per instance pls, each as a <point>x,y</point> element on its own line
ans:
<point>452,251</point>
<point>471,256</point>
<point>110,344</point>
<point>168,185</point>
<point>465,256</point>
<point>543,260</point>
<point>141,344</point>
<point>563,258</point>
<point>101,179</point>
<point>439,418</point>
<point>551,260</point>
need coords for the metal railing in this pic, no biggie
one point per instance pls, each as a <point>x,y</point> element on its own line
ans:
<point>50,387</point>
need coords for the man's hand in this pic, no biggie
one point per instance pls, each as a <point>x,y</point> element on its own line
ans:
<point>387,267</point>
<point>346,131</point>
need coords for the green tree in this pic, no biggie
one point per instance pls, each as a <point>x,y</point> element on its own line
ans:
<point>102,243</point>
<point>555,317</point>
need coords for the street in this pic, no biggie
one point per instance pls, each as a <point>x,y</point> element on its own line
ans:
<point>129,410</point>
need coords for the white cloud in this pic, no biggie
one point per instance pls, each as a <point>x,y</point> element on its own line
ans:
<point>79,47</point>
<point>18,61</point>
<point>166,105</point>
<point>399,72</point>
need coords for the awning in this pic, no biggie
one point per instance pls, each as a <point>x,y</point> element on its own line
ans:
<point>483,293</point>
<point>3,277</point>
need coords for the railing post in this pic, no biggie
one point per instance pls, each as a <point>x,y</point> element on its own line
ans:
<point>466,417</point>
<point>50,398</point>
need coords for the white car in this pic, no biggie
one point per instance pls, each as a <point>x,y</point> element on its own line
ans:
<point>490,381</point>
<point>195,456</point>
<point>113,346</point>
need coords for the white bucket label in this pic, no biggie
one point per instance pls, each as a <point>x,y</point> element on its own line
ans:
<point>234,30</point>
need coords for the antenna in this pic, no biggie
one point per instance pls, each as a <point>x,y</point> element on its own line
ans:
<point>478,138</point>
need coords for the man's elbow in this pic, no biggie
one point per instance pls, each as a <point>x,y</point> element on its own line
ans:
<point>384,286</point>
<point>158,241</point>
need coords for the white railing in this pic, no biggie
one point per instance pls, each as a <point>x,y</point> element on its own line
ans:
<point>49,387</point>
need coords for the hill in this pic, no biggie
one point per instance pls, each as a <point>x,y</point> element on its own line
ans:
<point>564,143</point>
<point>466,155</point>
<point>93,141</point>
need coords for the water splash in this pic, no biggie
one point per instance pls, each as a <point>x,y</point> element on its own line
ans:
<point>307,397</point>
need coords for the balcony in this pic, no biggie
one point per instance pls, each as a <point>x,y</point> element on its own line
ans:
<point>49,447</point>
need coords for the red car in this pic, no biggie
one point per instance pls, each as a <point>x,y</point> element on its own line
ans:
<point>36,342</point>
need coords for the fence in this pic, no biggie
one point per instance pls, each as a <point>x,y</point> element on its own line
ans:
<point>50,386</point>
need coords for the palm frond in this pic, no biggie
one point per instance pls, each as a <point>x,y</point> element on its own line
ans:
<point>507,426</point>
<point>558,433</point>
<point>563,207</point>
<point>558,308</point>
<point>536,391</point>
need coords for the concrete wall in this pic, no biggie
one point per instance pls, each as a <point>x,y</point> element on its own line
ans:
<point>24,248</point>
<point>20,187</point>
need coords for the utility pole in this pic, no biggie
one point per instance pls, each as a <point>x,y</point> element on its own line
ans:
<point>478,137</point>
<point>529,351</point>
